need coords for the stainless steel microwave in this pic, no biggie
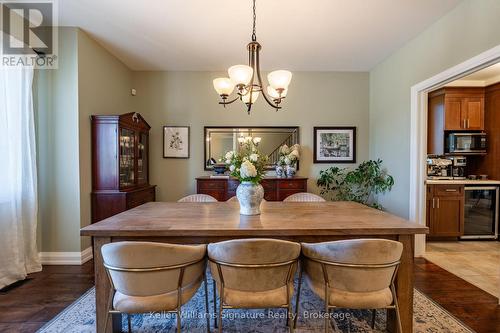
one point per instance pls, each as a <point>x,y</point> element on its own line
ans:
<point>466,143</point>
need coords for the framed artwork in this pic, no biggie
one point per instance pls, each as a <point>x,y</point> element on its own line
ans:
<point>334,144</point>
<point>175,141</point>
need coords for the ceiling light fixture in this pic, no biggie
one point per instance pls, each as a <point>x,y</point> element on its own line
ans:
<point>248,81</point>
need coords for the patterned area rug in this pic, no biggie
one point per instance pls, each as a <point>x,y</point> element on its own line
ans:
<point>429,317</point>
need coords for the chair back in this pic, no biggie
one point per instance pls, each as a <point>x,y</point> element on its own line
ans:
<point>304,197</point>
<point>148,269</point>
<point>198,198</point>
<point>357,265</point>
<point>253,264</point>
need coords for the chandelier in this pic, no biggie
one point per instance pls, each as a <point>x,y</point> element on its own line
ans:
<point>248,80</point>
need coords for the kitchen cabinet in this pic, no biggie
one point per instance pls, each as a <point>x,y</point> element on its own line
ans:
<point>453,109</point>
<point>445,210</point>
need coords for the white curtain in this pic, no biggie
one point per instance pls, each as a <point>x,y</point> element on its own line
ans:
<point>18,182</point>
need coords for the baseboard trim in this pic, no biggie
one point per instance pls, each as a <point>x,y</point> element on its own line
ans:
<point>66,258</point>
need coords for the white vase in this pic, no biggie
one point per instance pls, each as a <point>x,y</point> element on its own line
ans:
<point>250,196</point>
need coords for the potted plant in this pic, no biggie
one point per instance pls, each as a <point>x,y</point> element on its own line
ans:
<point>360,184</point>
<point>248,165</point>
<point>287,162</point>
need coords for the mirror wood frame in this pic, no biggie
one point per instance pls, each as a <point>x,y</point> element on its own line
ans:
<point>207,128</point>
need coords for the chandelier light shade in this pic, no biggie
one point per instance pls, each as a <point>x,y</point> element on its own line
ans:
<point>248,79</point>
<point>223,86</point>
<point>240,74</point>
<point>246,98</point>
<point>279,79</point>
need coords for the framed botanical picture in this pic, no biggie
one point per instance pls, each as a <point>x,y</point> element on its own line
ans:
<point>334,144</point>
<point>175,141</point>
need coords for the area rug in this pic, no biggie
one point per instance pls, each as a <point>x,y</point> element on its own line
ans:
<point>429,317</point>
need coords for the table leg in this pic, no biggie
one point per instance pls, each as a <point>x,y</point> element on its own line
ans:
<point>102,287</point>
<point>404,287</point>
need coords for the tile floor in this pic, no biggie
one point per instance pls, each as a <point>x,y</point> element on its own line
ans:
<point>477,262</point>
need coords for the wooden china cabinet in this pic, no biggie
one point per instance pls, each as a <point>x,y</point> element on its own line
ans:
<point>120,162</point>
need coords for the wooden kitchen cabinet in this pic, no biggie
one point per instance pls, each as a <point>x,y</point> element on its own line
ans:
<point>453,109</point>
<point>445,210</point>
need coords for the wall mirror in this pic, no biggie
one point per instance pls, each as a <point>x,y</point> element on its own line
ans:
<point>221,139</point>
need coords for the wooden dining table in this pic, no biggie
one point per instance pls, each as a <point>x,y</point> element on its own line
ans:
<point>203,223</point>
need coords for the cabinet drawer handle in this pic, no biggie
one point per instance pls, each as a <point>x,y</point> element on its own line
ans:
<point>451,190</point>
<point>465,123</point>
<point>468,122</point>
<point>433,203</point>
<point>437,203</point>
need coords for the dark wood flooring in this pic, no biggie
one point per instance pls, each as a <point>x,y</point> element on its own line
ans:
<point>473,306</point>
<point>30,304</point>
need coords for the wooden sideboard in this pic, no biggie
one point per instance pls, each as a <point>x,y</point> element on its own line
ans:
<point>275,189</point>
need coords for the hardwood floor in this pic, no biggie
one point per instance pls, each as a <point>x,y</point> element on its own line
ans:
<point>473,306</point>
<point>29,305</point>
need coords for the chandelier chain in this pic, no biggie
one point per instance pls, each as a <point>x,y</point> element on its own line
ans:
<point>254,34</point>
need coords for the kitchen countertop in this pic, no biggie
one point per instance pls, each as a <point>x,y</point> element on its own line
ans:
<point>462,182</point>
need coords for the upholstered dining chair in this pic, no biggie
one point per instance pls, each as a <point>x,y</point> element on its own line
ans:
<point>153,277</point>
<point>352,274</point>
<point>304,197</point>
<point>198,198</point>
<point>254,273</point>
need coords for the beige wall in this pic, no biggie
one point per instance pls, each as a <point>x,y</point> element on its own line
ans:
<point>188,98</point>
<point>469,29</point>
<point>104,85</point>
<point>56,107</point>
<point>89,81</point>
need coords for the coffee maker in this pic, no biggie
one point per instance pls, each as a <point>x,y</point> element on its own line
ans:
<point>439,168</point>
<point>458,167</point>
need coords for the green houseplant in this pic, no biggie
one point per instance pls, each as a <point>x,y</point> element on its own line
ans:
<point>359,184</point>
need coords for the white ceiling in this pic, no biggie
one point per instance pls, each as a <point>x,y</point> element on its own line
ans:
<point>482,78</point>
<point>314,35</point>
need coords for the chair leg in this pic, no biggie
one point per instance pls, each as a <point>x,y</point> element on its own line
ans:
<point>220,315</point>
<point>374,317</point>
<point>215,303</point>
<point>327,320</point>
<point>297,299</point>
<point>129,323</point>
<point>396,308</point>
<point>398,318</point>
<point>289,320</point>
<point>207,311</point>
<point>178,320</point>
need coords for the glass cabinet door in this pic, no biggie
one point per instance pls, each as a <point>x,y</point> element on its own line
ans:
<point>127,157</point>
<point>142,159</point>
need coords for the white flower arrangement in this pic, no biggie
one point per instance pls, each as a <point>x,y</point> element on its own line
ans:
<point>247,164</point>
<point>289,155</point>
